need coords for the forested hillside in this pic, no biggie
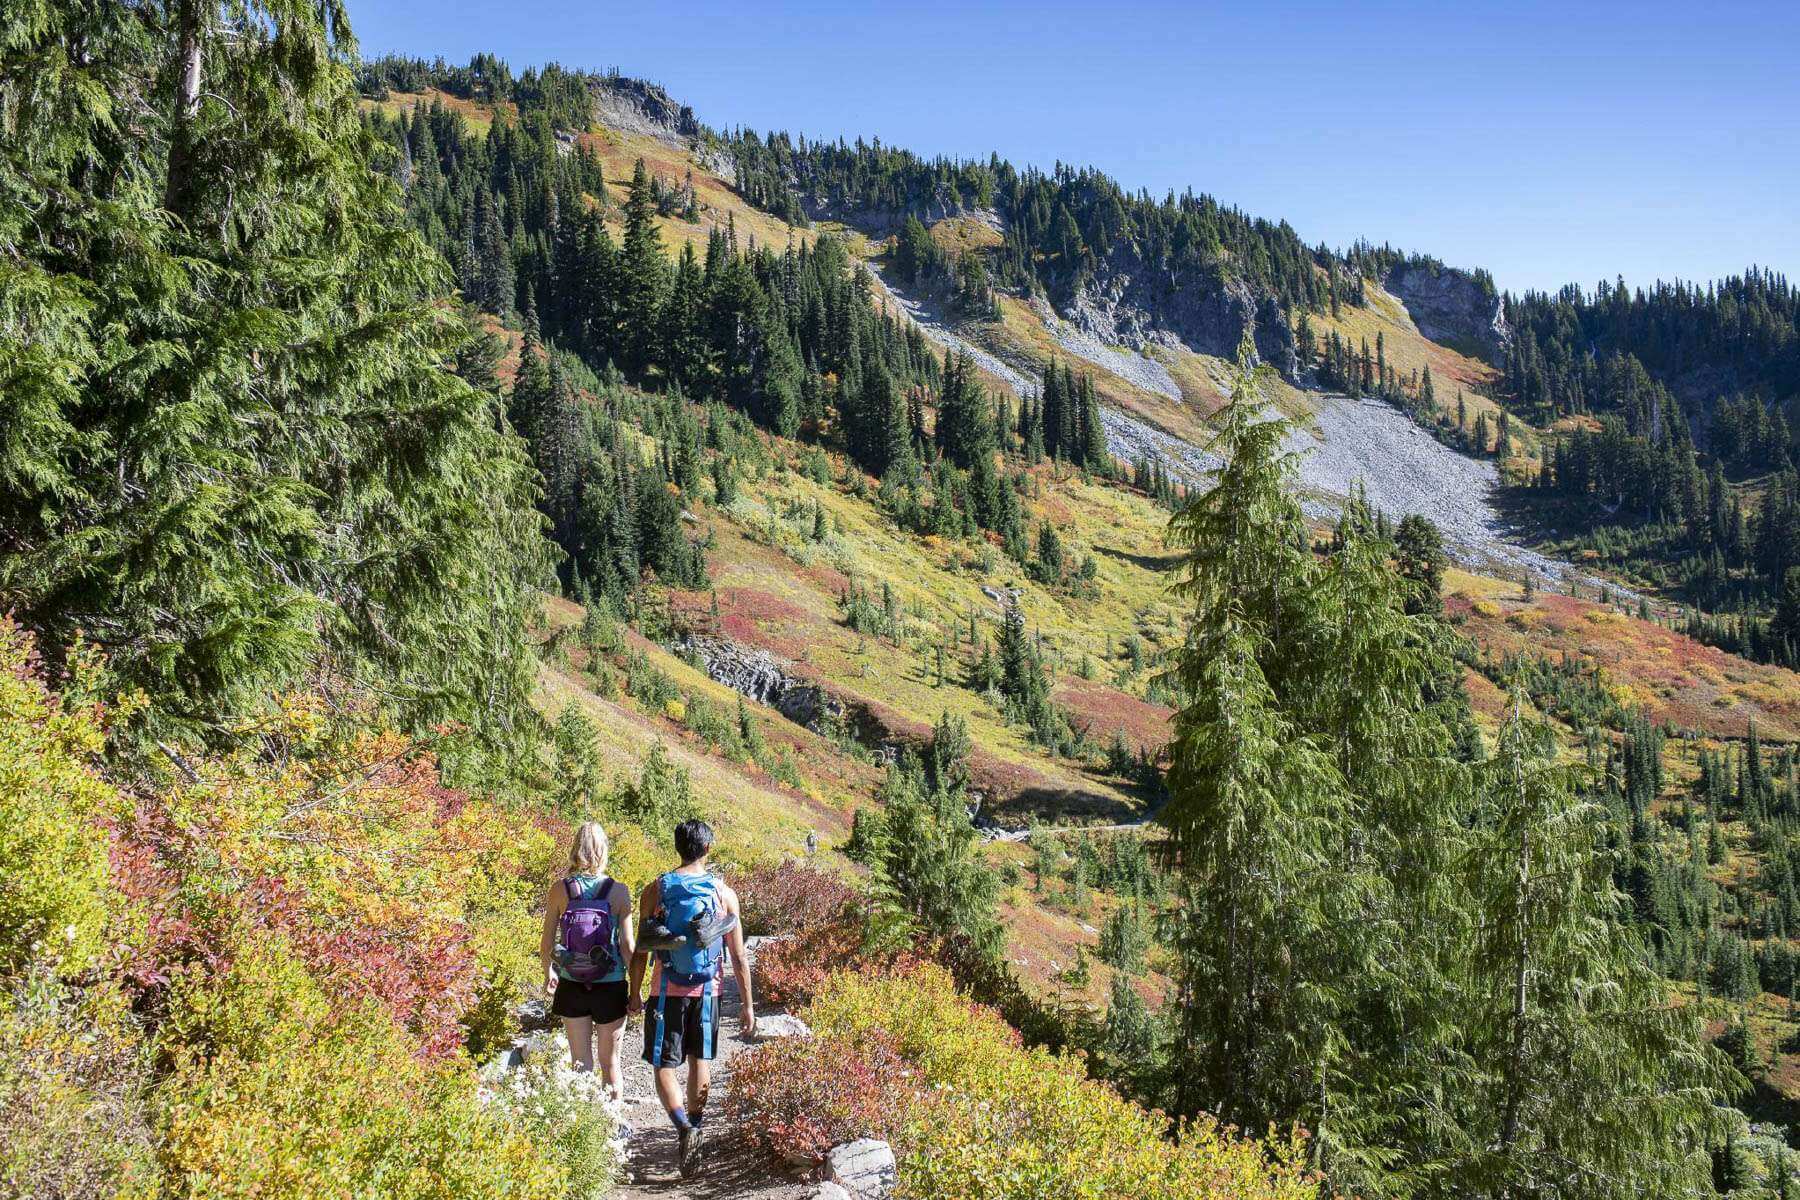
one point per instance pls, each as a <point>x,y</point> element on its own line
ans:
<point>406,462</point>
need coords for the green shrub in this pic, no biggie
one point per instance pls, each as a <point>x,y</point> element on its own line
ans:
<point>1004,1122</point>
<point>570,1116</point>
<point>52,800</point>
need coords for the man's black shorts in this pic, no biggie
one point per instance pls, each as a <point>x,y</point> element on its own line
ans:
<point>605,1002</point>
<point>680,1027</point>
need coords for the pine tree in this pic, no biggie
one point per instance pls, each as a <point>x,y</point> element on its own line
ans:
<point>1322,822</point>
<point>1253,812</point>
<point>1057,418</point>
<point>1129,1038</point>
<point>922,847</point>
<point>1596,1084</point>
<point>1124,939</point>
<point>642,275</point>
<point>1419,549</point>
<point>1090,450</point>
<point>965,425</point>
<point>233,443</point>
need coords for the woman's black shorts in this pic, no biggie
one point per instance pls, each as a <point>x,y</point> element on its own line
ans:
<point>604,1002</point>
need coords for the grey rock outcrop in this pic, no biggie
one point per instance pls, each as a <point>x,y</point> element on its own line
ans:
<point>634,106</point>
<point>880,222</point>
<point>1452,306</point>
<point>1127,303</point>
<point>760,676</point>
<point>863,1168</point>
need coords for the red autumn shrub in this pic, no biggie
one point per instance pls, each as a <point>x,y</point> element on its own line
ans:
<point>791,971</point>
<point>335,841</point>
<point>792,898</point>
<point>799,1097</point>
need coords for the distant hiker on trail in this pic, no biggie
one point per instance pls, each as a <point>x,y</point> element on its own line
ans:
<point>689,914</point>
<point>586,945</point>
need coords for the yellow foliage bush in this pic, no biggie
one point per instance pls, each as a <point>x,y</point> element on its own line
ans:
<point>1486,608</point>
<point>1002,1122</point>
<point>303,917</point>
<point>345,1109</point>
<point>52,803</point>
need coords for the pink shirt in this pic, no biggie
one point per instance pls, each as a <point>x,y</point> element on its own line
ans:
<point>677,989</point>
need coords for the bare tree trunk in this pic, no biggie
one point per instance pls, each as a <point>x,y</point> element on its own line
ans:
<point>1509,1127</point>
<point>190,19</point>
<point>1509,1130</point>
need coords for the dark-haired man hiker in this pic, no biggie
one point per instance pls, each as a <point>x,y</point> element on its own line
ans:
<point>690,921</point>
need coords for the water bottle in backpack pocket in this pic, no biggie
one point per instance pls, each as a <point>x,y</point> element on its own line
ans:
<point>585,950</point>
<point>690,904</point>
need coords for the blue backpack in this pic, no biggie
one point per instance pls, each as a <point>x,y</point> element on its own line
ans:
<point>689,902</point>
<point>585,937</point>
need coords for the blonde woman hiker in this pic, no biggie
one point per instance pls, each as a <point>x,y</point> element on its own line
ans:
<point>586,947</point>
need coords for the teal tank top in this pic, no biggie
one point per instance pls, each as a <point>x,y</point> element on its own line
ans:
<point>590,885</point>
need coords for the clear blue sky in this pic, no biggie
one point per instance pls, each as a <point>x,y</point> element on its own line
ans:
<point>1549,141</point>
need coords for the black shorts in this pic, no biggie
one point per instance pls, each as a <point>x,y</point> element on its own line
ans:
<point>680,1027</point>
<point>604,1002</point>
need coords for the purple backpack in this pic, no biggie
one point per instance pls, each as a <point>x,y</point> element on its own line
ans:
<point>584,943</point>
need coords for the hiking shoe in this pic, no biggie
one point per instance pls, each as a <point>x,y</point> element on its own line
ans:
<point>687,1151</point>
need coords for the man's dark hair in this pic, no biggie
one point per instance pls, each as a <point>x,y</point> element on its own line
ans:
<point>693,839</point>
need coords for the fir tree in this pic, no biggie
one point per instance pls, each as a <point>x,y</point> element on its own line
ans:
<point>642,274</point>
<point>234,444</point>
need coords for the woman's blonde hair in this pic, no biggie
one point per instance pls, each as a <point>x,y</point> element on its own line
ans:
<point>588,853</point>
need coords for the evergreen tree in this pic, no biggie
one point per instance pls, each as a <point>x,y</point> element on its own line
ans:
<point>1419,549</point>
<point>234,442</point>
<point>642,274</point>
<point>1592,1082</point>
<point>1090,450</point>
<point>1333,858</point>
<point>922,847</point>
<point>965,424</point>
<point>1129,1040</point>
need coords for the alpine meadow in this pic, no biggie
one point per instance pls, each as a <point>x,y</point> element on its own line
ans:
<point>553,649</point>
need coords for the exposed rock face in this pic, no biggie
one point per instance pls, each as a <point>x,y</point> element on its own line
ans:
<point>761,677</point>
<point>633,106</point>
<point>1129,304</point>
<point>864,1168</point>
<point>880,222</point>
<point>1452,306</point>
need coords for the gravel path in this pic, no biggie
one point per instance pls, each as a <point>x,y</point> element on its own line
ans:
<point>732,1169</point>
